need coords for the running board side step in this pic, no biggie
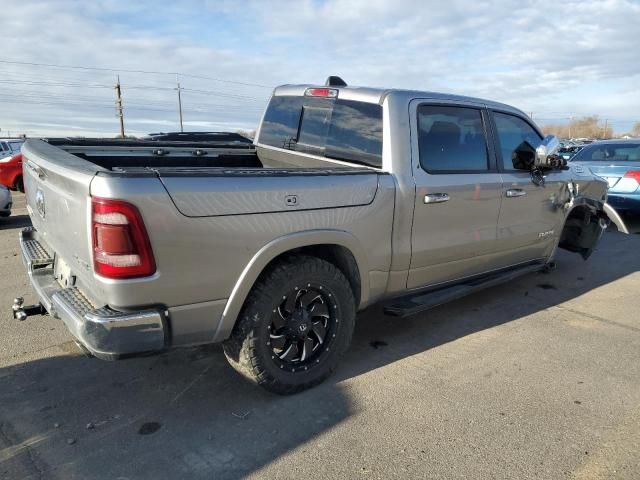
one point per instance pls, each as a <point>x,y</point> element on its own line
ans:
<point>410,305</point>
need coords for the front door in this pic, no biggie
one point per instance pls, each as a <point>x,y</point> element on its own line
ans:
<point>458,192</point>
<point>530,220</point>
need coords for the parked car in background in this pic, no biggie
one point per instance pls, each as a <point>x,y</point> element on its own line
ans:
<point>569,151</point>
<point>5,201</point>
<point>618,162</point>
<point>10,146</point>
<point>11,172</point>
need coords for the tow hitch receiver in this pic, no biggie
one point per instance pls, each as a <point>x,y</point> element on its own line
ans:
<point>22,311</point>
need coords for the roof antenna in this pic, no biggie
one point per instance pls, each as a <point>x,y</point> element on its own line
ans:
<point>335,81</point>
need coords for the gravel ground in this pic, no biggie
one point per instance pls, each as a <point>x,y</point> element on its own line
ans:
<point>538,378</point>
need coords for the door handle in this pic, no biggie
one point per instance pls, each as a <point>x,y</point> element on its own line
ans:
<point>436,198</point>
<point>516,192</point>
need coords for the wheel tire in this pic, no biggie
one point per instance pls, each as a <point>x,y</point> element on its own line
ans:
<point>248,349</point>
<point>19,185</point>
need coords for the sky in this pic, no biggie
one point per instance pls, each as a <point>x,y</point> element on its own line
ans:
<point>553,59</point>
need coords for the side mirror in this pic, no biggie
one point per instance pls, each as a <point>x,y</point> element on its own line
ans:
<point>524,157</point>
<point>546,153</point>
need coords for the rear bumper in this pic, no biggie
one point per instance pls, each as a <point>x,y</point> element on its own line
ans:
<point>106,333</point>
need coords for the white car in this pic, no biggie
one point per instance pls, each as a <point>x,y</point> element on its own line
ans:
<point>5,201</point>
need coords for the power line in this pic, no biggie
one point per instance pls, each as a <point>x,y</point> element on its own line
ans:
<point>123,70</point>
<point>49,89</point>
<point>126,86</point>
<point>212,108</point>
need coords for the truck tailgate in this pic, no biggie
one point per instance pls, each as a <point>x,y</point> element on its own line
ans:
<point>203,194</point>
<point>57,190</point>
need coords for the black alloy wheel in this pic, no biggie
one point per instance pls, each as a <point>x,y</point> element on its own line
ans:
<point>295,326</point>
<point>302,327</point>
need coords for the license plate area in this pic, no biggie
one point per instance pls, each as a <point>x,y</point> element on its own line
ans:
<point>62,273</point>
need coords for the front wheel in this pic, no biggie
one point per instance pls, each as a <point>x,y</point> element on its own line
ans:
<point>295,326</point>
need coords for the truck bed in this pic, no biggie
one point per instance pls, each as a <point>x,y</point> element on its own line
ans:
<point>227,156</point>
<point>121,154</point>
<point>204,223</point>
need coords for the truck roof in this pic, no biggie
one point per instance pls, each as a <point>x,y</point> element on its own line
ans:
<point>378,95</point>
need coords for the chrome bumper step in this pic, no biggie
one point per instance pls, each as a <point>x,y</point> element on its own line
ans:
<point>34,253</point>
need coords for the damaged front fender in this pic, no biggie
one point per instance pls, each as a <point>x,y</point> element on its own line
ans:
<point>583,227</point>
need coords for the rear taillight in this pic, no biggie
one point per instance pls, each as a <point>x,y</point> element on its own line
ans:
<point>635,174</point>
<point>121,247</point>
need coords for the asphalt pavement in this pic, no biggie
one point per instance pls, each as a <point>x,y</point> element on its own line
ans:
<point>537,378</point>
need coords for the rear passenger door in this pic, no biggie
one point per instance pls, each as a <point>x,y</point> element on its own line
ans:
<point>458,191</point>
<point>529,223</point>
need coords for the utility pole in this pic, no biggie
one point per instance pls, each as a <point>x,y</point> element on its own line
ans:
<point>119,107</point>
<point>179,103</point>
<point>570,121</point>
<point>604,132</point>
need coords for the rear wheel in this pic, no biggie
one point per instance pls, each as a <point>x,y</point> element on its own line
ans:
<point>294,327</point>
<point>19,185</point>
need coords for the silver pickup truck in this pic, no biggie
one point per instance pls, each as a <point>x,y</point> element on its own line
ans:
<point>348,196</point>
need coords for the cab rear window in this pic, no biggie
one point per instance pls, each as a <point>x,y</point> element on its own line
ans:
<point>333,128</point>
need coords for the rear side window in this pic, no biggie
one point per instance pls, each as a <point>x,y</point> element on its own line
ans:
<point>451,139</point>
<point>512,132</point>
<point>338,129</point>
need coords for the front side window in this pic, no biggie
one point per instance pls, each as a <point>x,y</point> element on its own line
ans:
<point>512,132</point>
<point>451,139</point>
<point>339,129</point>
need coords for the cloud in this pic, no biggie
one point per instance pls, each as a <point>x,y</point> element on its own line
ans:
<point>553,58</point>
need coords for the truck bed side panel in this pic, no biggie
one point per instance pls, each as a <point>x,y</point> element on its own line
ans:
<point>221,195</point>
<point>200,259</point>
